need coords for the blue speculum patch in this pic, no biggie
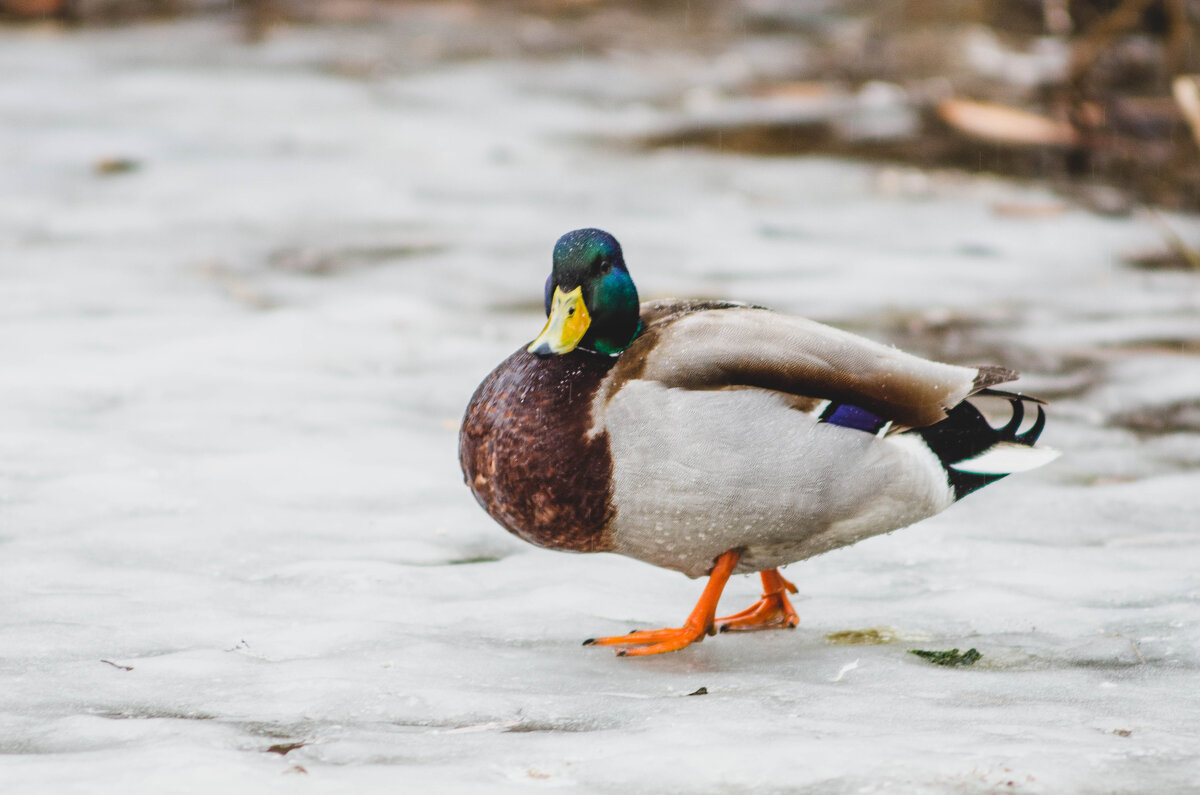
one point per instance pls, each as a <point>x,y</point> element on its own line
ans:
<point>848,416</point>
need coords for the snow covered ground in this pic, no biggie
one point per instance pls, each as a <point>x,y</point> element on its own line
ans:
<point>236,554</point>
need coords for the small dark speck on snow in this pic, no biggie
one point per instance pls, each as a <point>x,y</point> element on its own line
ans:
<point>116,165</point>
<point>117,665</point>
<point>283,749</point>
<point>471,561</point>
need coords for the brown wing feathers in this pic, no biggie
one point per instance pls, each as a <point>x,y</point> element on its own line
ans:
<point>715,347</point>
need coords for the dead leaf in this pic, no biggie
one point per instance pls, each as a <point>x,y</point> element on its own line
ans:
<point>1186,89</point>
<point>1030,209</point>
<point>1005,124</point>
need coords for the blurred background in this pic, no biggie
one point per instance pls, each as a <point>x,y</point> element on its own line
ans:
<point>1098,97</point>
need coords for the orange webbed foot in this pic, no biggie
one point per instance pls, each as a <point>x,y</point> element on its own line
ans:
<point>701,622</point>
<point>653,641</point>
<point>773,611</point>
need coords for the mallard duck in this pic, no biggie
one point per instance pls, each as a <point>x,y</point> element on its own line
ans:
<point>717,438</point>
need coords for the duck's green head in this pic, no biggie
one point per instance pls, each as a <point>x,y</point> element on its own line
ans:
<point>590,298</point>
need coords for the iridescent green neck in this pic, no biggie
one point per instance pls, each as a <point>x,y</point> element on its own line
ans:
<point>610,345</point>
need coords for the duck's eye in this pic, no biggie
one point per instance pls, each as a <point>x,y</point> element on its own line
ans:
<point>605,266</point>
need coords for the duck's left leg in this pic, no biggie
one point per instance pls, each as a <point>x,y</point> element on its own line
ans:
<point>773,611</point>
<point>697,625</point>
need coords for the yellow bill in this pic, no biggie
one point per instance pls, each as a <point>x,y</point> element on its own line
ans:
<point>569,321</point>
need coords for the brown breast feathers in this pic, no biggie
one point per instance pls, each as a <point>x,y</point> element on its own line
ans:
<point>525,453</point>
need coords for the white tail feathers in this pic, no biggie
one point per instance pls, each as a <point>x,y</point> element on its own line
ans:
<point>1004,458</point>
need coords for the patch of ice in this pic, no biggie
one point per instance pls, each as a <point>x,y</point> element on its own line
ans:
<point>236,482</point>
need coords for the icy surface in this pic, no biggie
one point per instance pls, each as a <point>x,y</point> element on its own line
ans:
<point>236,554</point>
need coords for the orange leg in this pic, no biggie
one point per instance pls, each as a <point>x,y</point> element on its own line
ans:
<point>697,625</point>
<point>773,611</point>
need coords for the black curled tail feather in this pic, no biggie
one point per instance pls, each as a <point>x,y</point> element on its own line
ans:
<point>965,433</point>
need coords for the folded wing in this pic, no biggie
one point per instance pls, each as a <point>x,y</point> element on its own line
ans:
<point>706,346</point>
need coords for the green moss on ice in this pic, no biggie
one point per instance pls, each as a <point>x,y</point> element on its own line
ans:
<point>951,658</point>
